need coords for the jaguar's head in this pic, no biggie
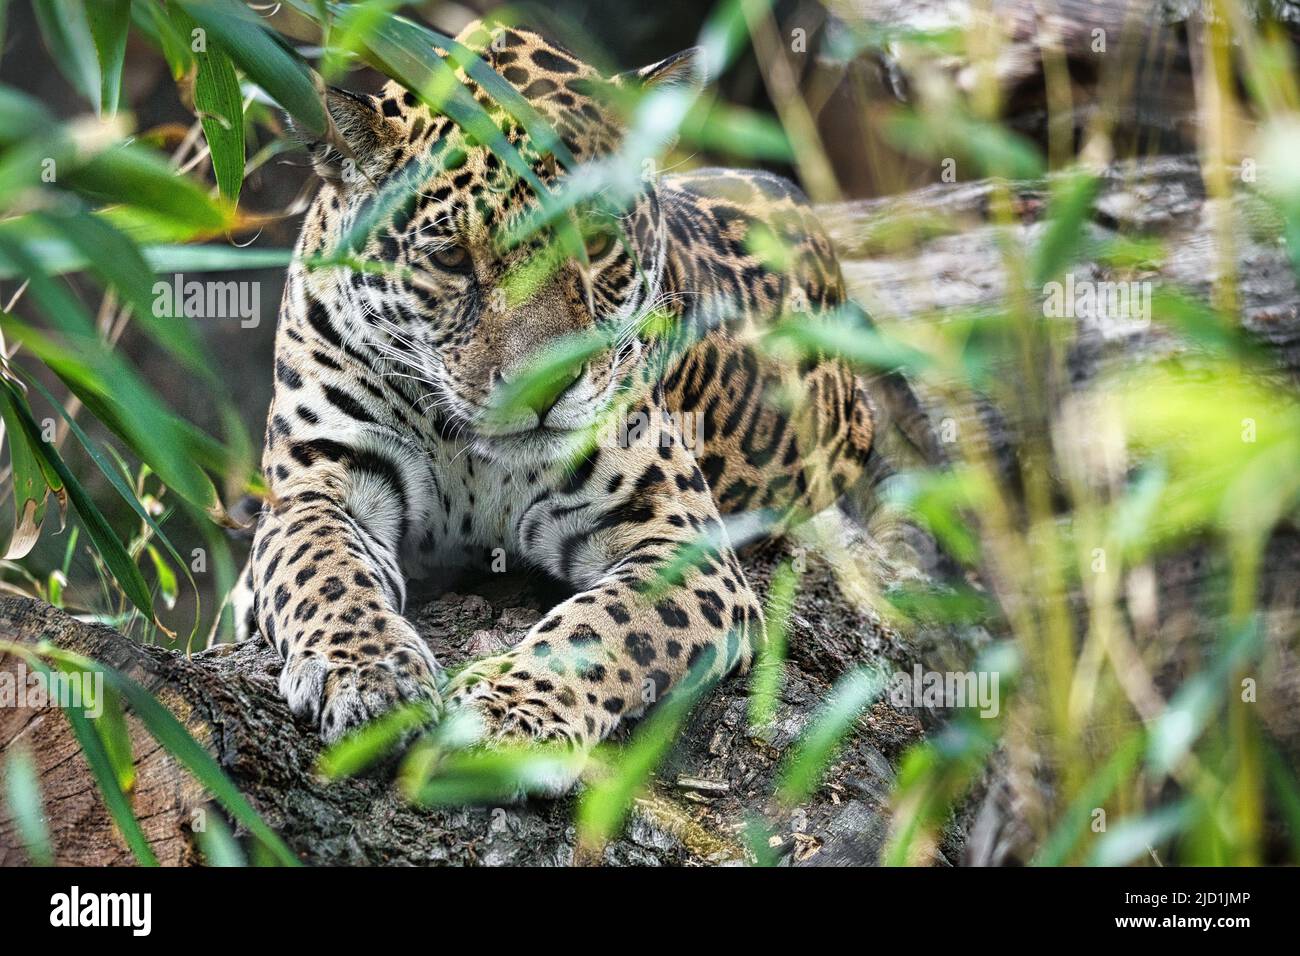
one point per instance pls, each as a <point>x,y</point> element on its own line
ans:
<point>519,336</point>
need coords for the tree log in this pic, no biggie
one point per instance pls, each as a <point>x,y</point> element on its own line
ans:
<point>693,813</point>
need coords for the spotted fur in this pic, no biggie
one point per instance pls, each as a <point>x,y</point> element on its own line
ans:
<point>387,457</point>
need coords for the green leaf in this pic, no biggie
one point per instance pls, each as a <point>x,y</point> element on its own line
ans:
<point>218,844</point>
<point>152,20</point>
<point>496,775</point>
<point>66,33</point>
<point>114,477</point>
<point>401,51</point>
<point>109,22</point>
<point>23,794</point>
<point>1192,707</point>
<point>360,749</point>
<point>989,148</point>
<point>106,541</point>
<point>20,115</point>
<point>354,22</point>
<point>741,132</point>
<point>1066,228</point>
<point>176,258</point>
<point>546,373</point>
<point>1074,823</point>
<point>101,768</point>
<point>57,256</point>
<point>220,106</point>
<point>118,263</point>
<point>108,387</point>
<point>1129,839</point>
<point>817,745</point>
<point>931,776</point>
<point>112,729</point>
<point>848,337</point>
<point>177,741</point>
<point>139,177</point>
<point>166,577</point>
<point>606,802</point>
<point>540,132</point>
<point>29,487</point>
<point>259,53</point>
<point>769,669</point>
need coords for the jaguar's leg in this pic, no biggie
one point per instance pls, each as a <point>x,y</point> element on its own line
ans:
<point>329,597</point>
<point>662,596</point>
<point>328,589</point>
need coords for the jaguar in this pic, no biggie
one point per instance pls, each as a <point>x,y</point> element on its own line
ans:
<point>620,466</point>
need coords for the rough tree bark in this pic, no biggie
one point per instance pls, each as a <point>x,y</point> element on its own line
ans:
<point>693,814</point>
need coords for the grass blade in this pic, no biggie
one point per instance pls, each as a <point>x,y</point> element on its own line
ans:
<point>177,741</point>
<point>23,794</point>
<point>817,745</point>
<point>31,493</point>
<point>101,768</point>
<point>606,803</point>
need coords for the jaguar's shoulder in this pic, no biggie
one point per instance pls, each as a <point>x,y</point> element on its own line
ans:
<point>744,187</point>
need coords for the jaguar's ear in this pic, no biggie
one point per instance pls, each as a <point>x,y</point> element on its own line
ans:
<point>683,71</point>
<point>361,144</point>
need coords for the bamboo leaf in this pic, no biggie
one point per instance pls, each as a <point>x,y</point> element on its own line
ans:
<point>220,106</point>
<point>140,178</point>
<point>1066,228</point>
<point>166,577</point>
<point>66,33</point>
<point>177,741</point>
<point>106,541</point>
<point>370,743</point>
<point>817,745</point>
<point>109,22</point>
<point>284,77</point>
<point>23,794</point>
<point>607,801</point>
<point>29,488</point>
<point>218,844</point>
<point>57,256</point>
<point>768,673</point>
<point>111,725</point>
<point>118,263</point>
<point>107,385</point>
<point>496,775</point>
<point>152,20</point>
<point>101,768</point>
<point>1128,839</point>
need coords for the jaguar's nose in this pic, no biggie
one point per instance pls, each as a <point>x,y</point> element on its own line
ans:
<point>540,391</point>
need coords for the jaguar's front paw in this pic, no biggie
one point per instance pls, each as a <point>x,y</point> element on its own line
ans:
<point>512,710</point>
<point>341,686</point>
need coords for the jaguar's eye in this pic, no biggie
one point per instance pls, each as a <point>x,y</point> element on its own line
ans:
<point>453,258</point>
<point>599,243</point>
